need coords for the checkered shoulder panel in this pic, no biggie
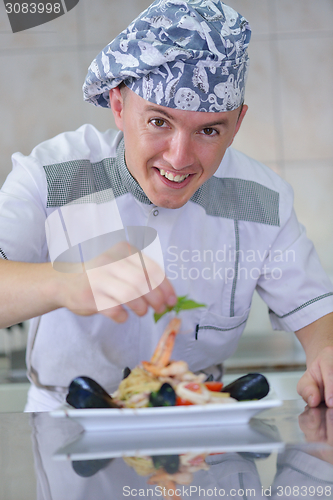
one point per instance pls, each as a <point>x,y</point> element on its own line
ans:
<point>75,179</point>
<point>80,179</point>
<point>239,199</point>
<point>3,255</point>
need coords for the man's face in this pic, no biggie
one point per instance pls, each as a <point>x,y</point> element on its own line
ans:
<point>171,152</point>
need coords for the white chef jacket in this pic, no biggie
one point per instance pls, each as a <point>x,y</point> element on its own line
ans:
<point>236,234</point>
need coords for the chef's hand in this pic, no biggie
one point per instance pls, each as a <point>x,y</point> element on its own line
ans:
<point>114,279</point>
<point>316,385</point>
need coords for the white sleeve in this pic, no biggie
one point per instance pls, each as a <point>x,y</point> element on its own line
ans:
<point>293,283</point>
<point>23,200</point>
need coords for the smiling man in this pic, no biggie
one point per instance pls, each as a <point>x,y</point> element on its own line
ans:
<point>103,215</point>
<point>172,152</point>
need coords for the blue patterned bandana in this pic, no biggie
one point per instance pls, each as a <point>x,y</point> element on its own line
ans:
<point>183,54</point>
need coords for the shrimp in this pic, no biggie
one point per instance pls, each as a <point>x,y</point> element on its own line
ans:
<point>173,369</point>
<point>162,354</point>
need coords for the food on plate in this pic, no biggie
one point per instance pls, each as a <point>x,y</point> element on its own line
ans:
<point>250,386</point>
<point>165,396</point>
<point>164,382</point>
<point>84,392</point>
<point>149,378</point>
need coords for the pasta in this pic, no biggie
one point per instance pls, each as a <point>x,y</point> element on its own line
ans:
<point>134,391</point>
<point>138,383</point>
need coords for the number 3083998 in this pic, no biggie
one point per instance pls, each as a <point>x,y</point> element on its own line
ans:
<point>33,8</point>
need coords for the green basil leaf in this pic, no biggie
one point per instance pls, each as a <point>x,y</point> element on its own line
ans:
<point>189,304</point>
<point>157,316</point>
<point>183,303</point>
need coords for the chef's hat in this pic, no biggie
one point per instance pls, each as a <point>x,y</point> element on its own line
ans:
<point>184,54</point>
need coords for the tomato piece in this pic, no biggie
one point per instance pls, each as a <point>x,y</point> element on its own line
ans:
<point>214,386</point>
<point>183,402</point>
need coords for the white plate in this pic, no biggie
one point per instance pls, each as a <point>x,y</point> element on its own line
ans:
<point>167,417</point>
<point>255,437</point>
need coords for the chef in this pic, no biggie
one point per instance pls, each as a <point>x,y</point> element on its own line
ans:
<point>100,229</point>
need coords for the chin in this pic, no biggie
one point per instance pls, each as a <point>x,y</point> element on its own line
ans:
<point>172,204</point>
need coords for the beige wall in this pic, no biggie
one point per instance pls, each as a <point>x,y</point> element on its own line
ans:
<point>289,125</point>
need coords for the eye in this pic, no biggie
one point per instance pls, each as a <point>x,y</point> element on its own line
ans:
<point>158,122</point>
<point>209,131</point>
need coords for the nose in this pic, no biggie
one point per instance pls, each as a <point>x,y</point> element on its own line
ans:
<point>180,151</point>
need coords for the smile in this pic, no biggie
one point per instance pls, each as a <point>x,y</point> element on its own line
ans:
<point>175,178</point>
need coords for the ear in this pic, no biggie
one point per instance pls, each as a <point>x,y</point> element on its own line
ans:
<point>117,106</point>
<point>239,121</point>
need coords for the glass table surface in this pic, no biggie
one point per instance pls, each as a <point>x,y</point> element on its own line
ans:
<point>283,452</point>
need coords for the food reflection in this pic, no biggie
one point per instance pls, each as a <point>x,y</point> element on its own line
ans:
<point>88,468</point>
<point>169,471</point>
<point>179,476</point>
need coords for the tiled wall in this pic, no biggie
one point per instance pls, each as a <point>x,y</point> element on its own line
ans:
<point>289,125</point>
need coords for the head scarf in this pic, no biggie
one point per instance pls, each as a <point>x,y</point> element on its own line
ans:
<point>183,54</point>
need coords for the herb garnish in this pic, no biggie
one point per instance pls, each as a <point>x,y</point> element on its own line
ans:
<point>183,303</point>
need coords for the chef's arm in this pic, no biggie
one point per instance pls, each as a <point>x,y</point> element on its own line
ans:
<point>316,385</point>
<point>28,290</point>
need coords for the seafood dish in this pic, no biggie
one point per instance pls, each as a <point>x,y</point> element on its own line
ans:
<point>164,382</point>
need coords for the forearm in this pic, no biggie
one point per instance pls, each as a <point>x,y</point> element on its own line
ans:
<point>316,337</point>
<point>30,290</point>
<point>316,384</point>
<point>27,290</point>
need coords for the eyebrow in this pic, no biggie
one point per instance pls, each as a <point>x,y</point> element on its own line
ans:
<point>161,111</point>
<point>170,117</point>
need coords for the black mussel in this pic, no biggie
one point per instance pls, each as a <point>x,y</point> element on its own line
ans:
<point>249,387</point>
<point>170,463</point>
<point>126,372</point>
<point>85,392</point>
<point>210,378</point>
<point>165,396</point>
<point>88,468</point>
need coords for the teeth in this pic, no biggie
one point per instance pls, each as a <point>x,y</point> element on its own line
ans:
<point>171,177</point>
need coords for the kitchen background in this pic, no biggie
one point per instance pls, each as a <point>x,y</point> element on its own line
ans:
<point>289,125</point>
